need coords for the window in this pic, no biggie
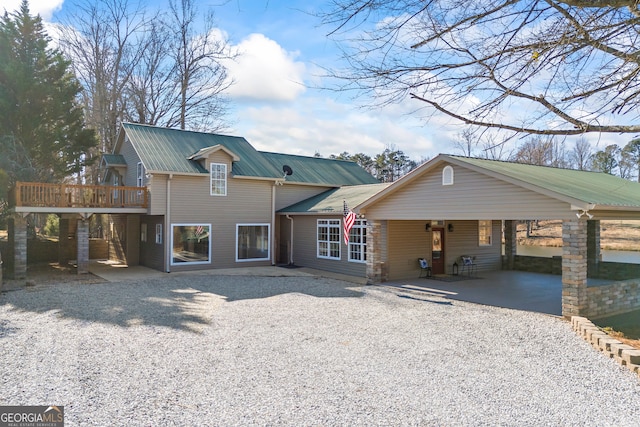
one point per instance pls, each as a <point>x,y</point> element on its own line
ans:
<point>190,244</point>
<point>218,174</point>
<point>358,241</point>
<point>139,175</point>
<point>116,183</point>
<point>143,232</point>
<point>159,234</point>
<point>484,232</point>
<point>328,238</point>
<point>447,175</point>
<point>252,242</point>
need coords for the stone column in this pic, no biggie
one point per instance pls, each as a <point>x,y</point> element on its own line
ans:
<point>376,269</point>
<point>82,236</point>
<point>63,241</point>
<point>594,253</point>
<point>574,267</point>
<point>510,243</point>
<point>17,230</point>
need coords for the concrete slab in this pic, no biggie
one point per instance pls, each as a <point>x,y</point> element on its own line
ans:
<point>510,289</point>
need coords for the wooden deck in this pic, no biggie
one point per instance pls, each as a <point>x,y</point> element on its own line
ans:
<point>45,197</point>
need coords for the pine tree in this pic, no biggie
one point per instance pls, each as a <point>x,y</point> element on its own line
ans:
<point>42,131</point>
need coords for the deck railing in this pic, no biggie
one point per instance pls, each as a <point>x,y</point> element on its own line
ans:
<point>39,194</point>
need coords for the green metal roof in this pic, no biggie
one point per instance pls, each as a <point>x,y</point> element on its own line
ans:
<point>332,201</point>
<point>167,150</point>
<point>317,170</point>
<point>113,160</point>
<point>590,187</point>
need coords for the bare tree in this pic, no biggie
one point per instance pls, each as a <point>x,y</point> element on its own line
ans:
<point>466,142</point>
<point>104,40</point>
<point>543,151</point>
<point>197,51</point>
<point>552,67</point>
<point>580,155</point>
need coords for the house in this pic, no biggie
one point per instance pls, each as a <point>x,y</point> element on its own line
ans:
<point>213,198</point>
<point>214,201</point>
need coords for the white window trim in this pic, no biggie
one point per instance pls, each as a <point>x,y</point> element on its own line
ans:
<point>329,223</point>
<point>447,175</point>
<point>268,245</point>
<point>191,262</point>
<point>224,166</point>
<point>480,227</point>
<point>360,224</point>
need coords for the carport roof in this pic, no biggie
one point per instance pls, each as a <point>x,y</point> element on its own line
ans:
<point>582,189</point>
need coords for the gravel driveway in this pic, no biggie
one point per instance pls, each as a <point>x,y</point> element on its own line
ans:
<point>191,350</point>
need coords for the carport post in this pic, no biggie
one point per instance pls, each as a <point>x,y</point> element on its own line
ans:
<point>574,267</point>
<point>594,252</point>
<point>510,243</point>
<point>376,269</point>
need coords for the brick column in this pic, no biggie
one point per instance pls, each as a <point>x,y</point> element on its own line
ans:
<point>82,236</point>
<point>376,269</point>
<point>63,241</point>
<point>510,243</point>
<point>17,230</point>
<point>594,253</point>
<point>574,267</point>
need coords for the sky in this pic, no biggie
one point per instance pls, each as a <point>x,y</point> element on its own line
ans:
<point>277,103</point>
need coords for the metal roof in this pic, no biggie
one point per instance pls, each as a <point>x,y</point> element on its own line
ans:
<point>168,150</point>
<point>317,170</point>
<point>172,150</point>
<point>332,201</point>
<point>596,188</point>
<point>592,190</point>
<point>113,160</point>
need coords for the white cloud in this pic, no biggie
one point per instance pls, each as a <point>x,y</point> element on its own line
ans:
<point>264,71</point>
<point>324,126</point>
<point>44,8</point>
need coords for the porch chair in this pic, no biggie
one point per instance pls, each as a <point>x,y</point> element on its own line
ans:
<point>467,263</point>
<point>424,268</point>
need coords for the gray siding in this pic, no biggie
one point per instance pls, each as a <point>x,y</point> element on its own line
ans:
<point>409,240</point>
<point>247,201</point>
<point>151,253</point>
<point>305,248</point>
<point>472,196</point>
<point>132,159</point>
<point>157,187</point>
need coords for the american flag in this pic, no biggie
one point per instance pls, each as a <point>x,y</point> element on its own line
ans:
<point>349,220</point>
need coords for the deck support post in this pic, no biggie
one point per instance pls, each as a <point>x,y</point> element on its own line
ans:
<point>82,236</point>
<point>17,239</point>
<point>63,241</point>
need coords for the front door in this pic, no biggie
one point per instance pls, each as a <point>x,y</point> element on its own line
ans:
<point>437,251</point>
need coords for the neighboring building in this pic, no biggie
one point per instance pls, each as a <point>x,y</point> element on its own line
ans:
<point>212,198</point>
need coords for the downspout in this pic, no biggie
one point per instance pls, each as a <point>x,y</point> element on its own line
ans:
<point>291,240</point>
<point>273,223</point>
<point>167,225</point>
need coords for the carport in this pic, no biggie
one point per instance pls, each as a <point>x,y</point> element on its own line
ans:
<point>453,206</point>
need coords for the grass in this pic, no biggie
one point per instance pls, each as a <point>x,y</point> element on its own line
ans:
<point>623,327</point>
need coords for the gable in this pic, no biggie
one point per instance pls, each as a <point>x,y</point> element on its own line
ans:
<point>472,196</point>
